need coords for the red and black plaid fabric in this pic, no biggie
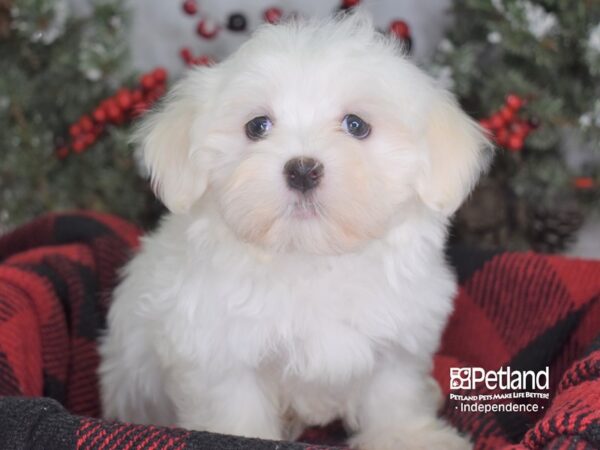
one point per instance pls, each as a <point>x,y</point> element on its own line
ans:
<point>522,310</point>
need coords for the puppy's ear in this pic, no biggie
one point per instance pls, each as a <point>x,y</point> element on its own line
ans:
<point>166,139</point>
<point>459,152</point>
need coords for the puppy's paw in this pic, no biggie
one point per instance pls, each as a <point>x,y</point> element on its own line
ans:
<point>435,436</point>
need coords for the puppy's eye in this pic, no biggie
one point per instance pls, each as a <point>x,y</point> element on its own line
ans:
<point>258,127</point>
<point>355,126</point>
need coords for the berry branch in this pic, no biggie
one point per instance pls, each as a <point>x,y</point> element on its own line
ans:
<point>125,105</point>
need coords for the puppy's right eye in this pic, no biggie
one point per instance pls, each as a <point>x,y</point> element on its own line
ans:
<point>258,128</point>
<point>355,126</point>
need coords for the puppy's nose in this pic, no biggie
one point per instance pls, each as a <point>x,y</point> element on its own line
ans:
<point>303,174</point>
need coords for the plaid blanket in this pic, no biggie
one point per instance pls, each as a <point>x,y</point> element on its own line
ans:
<point>519,310</point>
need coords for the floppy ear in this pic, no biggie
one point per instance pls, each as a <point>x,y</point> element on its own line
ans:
<point>459,152</point>
<point>166,140</point>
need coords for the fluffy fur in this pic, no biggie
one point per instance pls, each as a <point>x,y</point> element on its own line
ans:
<point>256,310</point>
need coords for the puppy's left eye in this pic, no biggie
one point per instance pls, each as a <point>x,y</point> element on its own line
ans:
<point>355,126</point>
<point>258,127</point>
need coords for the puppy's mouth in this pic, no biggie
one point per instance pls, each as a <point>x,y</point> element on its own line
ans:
<point>304,209</point>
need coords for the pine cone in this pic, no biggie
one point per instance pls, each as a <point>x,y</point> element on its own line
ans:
<point>5,18</point>
<point>554,229</point>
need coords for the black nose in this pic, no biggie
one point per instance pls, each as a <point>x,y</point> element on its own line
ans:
<point>303,173</point>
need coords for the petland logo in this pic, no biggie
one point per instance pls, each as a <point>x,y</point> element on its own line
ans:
<point>505,379</point>
<point>502,390</point>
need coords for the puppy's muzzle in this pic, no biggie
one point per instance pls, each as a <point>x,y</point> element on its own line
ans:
<point>303,174</point>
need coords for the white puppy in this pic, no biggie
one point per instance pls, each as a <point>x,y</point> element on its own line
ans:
<point>300,276</point>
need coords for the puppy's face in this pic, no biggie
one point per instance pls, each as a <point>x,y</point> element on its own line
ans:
<point>315,137</point>
<point>310,154</point>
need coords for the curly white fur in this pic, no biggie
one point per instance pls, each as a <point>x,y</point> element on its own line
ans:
<point>255,310</point>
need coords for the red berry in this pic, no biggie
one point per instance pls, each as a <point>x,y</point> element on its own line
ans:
<point>350,3</point>
<point>272,15</point>
<point>75,130</point>
<point>584,182</point>
<point>520,128</point>
<point>190,7</point>
<point>207,29</point>
<point>62,152</point>
<point>502,137</point>
<point>497,121</point>
<point>515,143</point>
<point>113,111</point>
<point>507,114</point>
<point>147,81</point>
<point>124,99</point>
<point>154,94</point>
<point>109,103</point>
<point>158,92</point>
<point>186,55</point>
<point>78,146</point>
<point>86,124</point>
<point>160,74</point>
<point>140,108</point>
<point>400,29</point>
<point>514,102</point>
<point>137,96</point>
<point>99,115</point>
<point>485,123</point>
<point>88,139</point>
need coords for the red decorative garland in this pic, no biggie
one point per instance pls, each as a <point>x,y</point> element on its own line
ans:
<point>122,107</point>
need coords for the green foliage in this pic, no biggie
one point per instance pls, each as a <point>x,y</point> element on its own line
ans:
<point>548,52</point>
<point>54,67</point>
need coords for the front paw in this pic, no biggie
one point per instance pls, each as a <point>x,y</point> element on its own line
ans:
<point>434,436</point>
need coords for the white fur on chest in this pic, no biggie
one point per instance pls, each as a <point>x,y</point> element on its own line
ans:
<point>319,318</point>
<point>201,310</point>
